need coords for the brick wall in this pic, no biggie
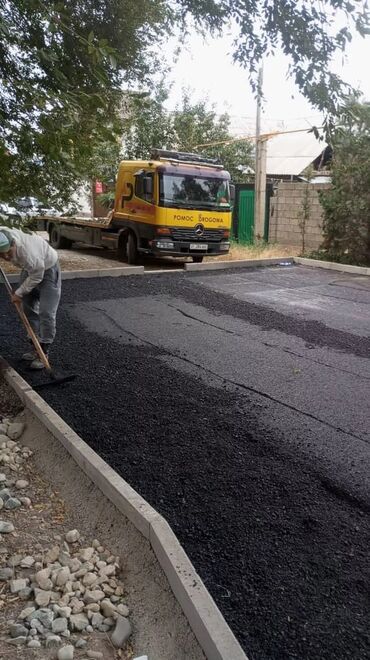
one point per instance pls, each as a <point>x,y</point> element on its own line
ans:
<point>286,210</point>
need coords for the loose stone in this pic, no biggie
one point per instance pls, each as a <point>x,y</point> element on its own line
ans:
<point>45,616</point>
<point>94,654</point>
<point>107,608</point>
<point>81,643</point>
<point>43,579</point>
<point>93,596</point>
<point>79,621</point>
<point>26,501</point>
<point>53,640</point>
<point>96,620</point>
<point>15,430</point>
<point>74,565</point>
<point>89,579</point>
<point>17,630</point>
<point>92,607</point>
<point>18,641</point>
<point>21,483</point>
<point>18,585</point>
<point>103,628</point>
<point>12,503</point>
<point>6,574</point>
<point>59,625</point>
<point>62,577</point>
<point>37,625</point>
<point>64,612</point>
<point>14,560</point>
<point>34,644</point>
<point>121,632</point>
<point>27,562</point>
<point>72,536</point>
<point>123,610</point>
<point>86,554</point>
<point>66,653</point>
<point>52,554</point>
<point>26,613</point>
<point>42,597</point>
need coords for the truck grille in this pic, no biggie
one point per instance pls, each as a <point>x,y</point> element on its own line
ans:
<point>185,234</point>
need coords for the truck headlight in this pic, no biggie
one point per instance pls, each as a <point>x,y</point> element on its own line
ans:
<point>224,246</point>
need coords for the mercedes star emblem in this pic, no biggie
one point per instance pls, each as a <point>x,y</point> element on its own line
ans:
<point>199,230</point>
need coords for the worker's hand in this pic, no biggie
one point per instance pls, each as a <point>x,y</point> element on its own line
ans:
<point>16,299</point>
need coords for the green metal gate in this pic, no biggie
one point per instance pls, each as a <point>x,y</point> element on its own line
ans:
<point>246,216</point>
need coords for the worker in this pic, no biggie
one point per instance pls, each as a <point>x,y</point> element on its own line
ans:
<point>40,284</point>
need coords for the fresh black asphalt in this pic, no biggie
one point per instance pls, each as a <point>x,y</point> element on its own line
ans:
<point>237,404</point>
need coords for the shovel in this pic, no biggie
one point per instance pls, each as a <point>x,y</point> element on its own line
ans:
<point>54,379</point>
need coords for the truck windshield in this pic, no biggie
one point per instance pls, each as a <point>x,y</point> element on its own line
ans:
<point>189,191</point>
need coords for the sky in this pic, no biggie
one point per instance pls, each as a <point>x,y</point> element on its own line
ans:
<point>207,68</point>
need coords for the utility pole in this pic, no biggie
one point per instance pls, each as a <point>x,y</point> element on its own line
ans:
<point>260,168</point>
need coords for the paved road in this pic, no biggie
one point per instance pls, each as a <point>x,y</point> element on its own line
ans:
<point>238,404</point>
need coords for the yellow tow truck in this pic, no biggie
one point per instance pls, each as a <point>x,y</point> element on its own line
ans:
<point>173,204</point>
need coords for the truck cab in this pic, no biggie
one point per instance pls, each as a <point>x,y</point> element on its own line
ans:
<point>175,203</point>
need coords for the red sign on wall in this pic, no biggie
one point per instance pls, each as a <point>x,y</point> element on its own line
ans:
<point>98,187</point>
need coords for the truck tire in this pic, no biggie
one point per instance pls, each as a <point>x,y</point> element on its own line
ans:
<point>198,258</point>
<point>131,249</point>
<point>58,241</point>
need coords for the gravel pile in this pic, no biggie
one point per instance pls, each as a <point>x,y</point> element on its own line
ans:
<point>70,590</point>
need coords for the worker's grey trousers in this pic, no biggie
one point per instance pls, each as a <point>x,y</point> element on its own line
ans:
<point>41,304</point>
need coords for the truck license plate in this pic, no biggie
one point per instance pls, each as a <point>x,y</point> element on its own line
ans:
<point>198,246</point>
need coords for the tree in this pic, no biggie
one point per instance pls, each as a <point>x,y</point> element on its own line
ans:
<point>309,33</point>
<point>61,70</point>
<point>150,125</point>
<point>197,124</point>
<point>62,65</point>
<point>347,204</point>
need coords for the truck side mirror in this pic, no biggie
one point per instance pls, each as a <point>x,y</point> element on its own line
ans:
<point>232,192</point>
<point>148,185</point>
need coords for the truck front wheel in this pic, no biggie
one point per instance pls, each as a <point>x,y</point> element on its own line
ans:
<point>131,249</point>
<point>58,241</point>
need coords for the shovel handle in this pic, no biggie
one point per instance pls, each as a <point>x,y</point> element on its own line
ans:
<point>32,336</point>
<point>26,324</point>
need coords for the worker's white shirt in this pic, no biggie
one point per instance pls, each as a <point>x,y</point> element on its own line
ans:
<point>33,254</point>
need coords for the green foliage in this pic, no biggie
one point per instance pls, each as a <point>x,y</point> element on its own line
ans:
<point>62,65</point>
<point>197,124</point>
<point>309,33</point>
<point>61,70</point>
<point>150,125</point>
<point>347,204</point>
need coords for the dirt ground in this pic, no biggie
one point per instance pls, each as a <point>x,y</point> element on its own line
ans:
<point>84,258</point>
<point>63,499</point>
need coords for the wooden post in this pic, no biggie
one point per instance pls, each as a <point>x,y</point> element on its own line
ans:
<point>260,190</point>
<point>260,169</point>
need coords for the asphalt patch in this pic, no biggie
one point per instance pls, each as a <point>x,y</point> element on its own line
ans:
<point>285,558</point>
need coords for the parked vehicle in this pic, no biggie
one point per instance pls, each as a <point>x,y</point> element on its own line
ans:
<point>11,215</point>
<point>32,207</point>
<point>174,203</point>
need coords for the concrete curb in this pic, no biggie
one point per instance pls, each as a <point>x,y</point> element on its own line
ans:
<point>239,263</point>
<point>210,628</point>
<point>98,272</point>
<point>331,265</point>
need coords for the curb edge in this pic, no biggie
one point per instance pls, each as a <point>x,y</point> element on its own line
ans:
<point>209,626</point>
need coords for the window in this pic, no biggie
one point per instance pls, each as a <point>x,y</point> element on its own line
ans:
<point>144,185</point>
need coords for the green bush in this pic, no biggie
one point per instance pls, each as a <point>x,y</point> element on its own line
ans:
<point>346,205</point>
